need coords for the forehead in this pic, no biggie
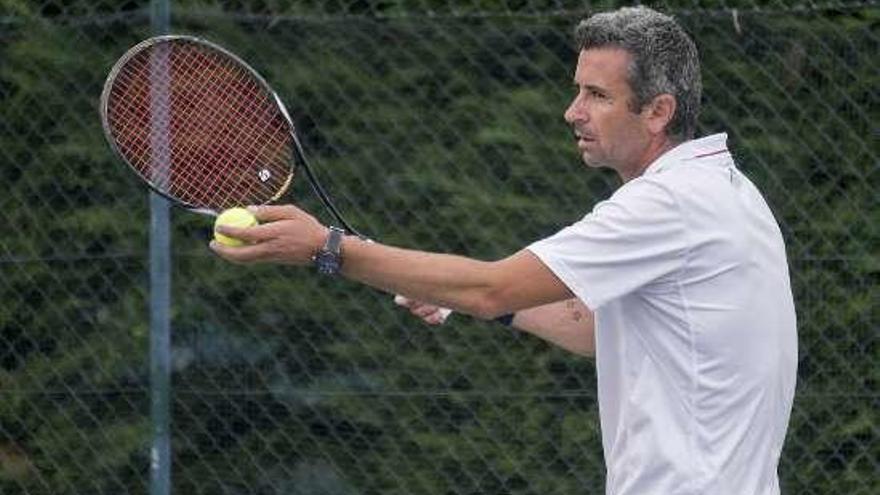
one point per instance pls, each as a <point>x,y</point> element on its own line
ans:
<point>606,67</point>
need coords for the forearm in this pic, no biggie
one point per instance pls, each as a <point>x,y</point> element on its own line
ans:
<point>478,288</point>
<point>448,280</point>
<point>568,324</point>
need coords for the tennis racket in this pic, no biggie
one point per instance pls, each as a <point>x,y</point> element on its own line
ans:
<point>202,128</point>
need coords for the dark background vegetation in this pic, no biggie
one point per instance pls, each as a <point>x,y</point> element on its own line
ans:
<point>436,125</point>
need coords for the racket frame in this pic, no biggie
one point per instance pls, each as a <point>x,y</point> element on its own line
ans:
<point>299,157</point>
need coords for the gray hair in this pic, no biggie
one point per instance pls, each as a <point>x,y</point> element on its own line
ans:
<point>665,60</point>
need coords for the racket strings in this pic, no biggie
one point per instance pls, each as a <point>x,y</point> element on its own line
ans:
<point>207,121</point>
<point>228,124</point>
<point>227,102</point>
<point>227,142</point>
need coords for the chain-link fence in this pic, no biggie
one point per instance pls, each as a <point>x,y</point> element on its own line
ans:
<point>436,125</point>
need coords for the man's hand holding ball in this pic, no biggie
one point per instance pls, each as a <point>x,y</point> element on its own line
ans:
<point>277,234</point>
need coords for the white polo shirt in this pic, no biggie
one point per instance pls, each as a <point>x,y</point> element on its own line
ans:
<point>696,347</point>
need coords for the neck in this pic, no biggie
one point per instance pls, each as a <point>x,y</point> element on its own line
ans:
<point>652,152</point>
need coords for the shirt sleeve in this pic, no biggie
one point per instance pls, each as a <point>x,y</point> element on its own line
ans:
<point>627,242</point>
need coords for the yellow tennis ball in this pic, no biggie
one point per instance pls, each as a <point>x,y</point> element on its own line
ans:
<point>235,217</point>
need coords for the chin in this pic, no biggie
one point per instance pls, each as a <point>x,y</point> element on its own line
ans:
<point>592,162</point>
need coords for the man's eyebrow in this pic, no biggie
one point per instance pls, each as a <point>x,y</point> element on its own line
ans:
<point>586,85</point>
<point>593,87</point>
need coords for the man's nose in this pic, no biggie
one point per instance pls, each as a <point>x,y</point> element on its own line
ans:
<point>573,113</point>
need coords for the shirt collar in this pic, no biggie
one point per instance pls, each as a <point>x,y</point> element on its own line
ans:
<point>715,144</point>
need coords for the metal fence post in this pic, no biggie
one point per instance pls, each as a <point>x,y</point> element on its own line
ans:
<point>160,325</point>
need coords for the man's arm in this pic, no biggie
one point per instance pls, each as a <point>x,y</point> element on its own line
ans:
<point>568,324</point>
<point>483,289</point>
<point>478,288</point>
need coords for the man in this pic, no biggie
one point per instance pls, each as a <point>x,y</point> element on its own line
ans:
<point>683,271</point>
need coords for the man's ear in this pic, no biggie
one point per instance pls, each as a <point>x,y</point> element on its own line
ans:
<point>659,112</point>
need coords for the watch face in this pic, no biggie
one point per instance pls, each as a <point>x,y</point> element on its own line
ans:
<point>328,260</point>
<point>327,263</point>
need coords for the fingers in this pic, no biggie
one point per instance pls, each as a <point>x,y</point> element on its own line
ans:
<point>241,254</point>
<point>434,319</point>
<point>273,213</point>
<point>265,215</point>
<point>249,235</point>
<point>429,313</point>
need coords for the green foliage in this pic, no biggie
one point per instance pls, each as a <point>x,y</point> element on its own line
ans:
<point>440,133</point>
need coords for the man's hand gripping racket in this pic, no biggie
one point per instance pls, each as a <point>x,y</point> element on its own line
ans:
<point>429,313</point>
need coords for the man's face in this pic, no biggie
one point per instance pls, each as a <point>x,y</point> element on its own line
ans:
<point>608,133</point>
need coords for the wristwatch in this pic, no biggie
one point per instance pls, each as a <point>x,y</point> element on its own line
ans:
<point>328,259</point>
